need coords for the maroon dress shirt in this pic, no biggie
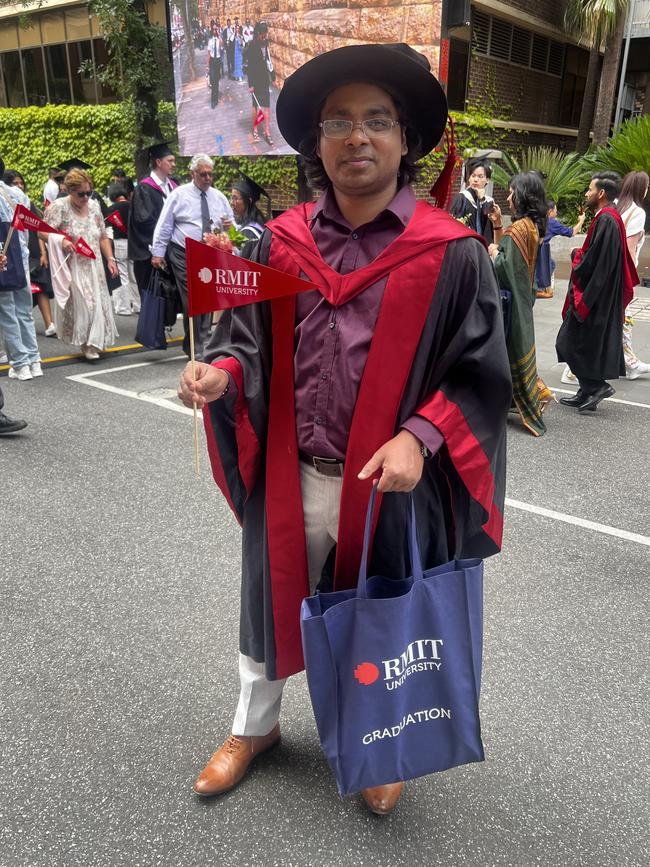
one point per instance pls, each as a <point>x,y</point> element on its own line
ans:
<point>332,343</point>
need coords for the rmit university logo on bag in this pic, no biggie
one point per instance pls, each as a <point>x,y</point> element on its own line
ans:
<point>421,655</point>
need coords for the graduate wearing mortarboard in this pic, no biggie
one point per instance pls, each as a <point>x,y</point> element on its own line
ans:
<point>146,205</point>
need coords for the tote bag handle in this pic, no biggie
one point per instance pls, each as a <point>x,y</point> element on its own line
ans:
<point>411,532</point>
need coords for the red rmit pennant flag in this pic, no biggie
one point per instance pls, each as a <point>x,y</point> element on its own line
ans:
<point>259,117</point>
<point>218,280</point>
<point>116,219</point>
<point>84,249</point>
<point>24,221</point>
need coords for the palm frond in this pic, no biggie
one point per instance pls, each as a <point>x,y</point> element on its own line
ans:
<point>628,150</point>
<point>594,20</point>
<point>566,175</point>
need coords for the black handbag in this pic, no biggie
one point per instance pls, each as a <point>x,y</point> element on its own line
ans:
<point>13,277</point>
<point>151,321</point>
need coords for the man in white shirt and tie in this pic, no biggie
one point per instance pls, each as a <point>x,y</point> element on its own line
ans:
<point>189,212</point>
<point>215,48</point>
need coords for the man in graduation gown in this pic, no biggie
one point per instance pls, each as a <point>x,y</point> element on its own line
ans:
<point>146,204</point>
<point>602,283</point>
<point>395,367</point>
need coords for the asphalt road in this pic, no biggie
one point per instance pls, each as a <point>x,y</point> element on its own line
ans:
<point>118,619</point>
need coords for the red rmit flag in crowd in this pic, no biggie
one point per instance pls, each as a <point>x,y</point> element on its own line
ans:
<point>24,221</point>
<point>217,280</point>
<point>116,219</point>
<point>259,117</point>
<point>82,247</point>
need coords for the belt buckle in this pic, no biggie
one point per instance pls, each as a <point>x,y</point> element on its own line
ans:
<point>328,466</point>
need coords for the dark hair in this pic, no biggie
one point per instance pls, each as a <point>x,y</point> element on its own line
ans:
<point>252,213</point>
<point>408,170</point>
<point>633,190</point>
<point>551,203</point>
<point>117,189</point>
<point>118,173</point>
<point>2,166</point>
<point>529,199</point>
<point>609,183</point>
<point>474,163</point>
<point>10,176</point>
<point>260,28</point>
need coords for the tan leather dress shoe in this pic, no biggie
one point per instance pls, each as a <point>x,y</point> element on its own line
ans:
<point>383,799</point>
<point>230,762</point>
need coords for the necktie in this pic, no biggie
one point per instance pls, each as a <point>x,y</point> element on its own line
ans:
<point>205,214</point>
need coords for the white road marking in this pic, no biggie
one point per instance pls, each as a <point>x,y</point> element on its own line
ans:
<point>91,379</point>
<point>607,400</point>
<point>579,522</point>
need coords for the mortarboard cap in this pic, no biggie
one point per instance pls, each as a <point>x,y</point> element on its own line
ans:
<point>251,189</point>
<point>74,163</point>
<point>158,151</point>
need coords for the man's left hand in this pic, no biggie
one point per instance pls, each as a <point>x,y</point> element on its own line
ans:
<point>400,461</point>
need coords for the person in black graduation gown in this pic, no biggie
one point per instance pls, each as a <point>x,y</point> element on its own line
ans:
<point>146,205</point>
<point>602,283</point>
<point>244,198</point>
<point>472,206</point>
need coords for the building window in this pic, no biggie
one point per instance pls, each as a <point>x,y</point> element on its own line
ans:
<point>13,80</point>
<point>34,76</point>
<point>83,85</point>
<point>573,85</point>
<point>57,73</point>
<point>503,41</point>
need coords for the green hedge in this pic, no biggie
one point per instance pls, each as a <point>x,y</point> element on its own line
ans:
<point>31,139</point>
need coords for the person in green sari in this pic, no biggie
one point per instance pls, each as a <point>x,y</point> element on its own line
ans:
<point>514,262</point>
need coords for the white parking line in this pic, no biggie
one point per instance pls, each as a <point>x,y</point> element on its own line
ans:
<point>579,522</point>
<point>91,379</point>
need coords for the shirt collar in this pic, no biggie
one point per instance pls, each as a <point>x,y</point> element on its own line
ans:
<point>401,207</point>
<point>162,184</point>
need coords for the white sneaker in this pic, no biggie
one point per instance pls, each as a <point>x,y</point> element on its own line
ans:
<point>639,370</point>
<point>89,353</point>
<point>36,369</point>
<point>22,373</point>
<point>569,378</point>
<point>4,359</point>
<point>50,331</point>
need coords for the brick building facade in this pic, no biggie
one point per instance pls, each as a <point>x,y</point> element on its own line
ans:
<point>301,29</point>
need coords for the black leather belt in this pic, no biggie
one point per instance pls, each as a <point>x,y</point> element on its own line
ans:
<point>324,466</point>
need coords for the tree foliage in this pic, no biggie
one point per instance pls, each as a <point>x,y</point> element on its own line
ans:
<point>628,150</point>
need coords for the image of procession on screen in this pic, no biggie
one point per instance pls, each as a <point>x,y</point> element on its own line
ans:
<point>231,58</point>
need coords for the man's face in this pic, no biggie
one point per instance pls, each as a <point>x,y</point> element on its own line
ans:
<point>364,163</point>
<point>166,166</point>
<point>478,179</point>
<point>202,176</point>
<point>593,196</point>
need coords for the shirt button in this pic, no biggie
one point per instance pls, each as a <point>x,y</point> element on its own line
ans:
<point>319,419</point>
<point>355,237</point>
<point>323,376</point>
<point>332,325</point>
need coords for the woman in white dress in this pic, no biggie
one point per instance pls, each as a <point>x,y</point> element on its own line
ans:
<point>83,313</point>
<point>633,192</point>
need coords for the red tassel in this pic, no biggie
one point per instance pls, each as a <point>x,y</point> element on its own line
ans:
<point>441,189</point>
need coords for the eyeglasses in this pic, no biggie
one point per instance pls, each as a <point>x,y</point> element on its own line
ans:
<point>374,127</point>
<point>204,174</point>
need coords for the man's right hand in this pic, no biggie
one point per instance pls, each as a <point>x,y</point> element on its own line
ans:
<point>159,262</point>
<point>211,382</point>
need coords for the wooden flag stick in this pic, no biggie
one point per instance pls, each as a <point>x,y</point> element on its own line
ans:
<point>197,461</point>
<point>10,235</point>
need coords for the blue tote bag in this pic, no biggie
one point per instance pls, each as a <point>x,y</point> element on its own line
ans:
<point>150,331</point>
<point>394,669</point>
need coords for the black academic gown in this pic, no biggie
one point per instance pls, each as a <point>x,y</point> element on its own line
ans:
<point>146,205</point>
<point>589,340</point>
<point>460,357</point>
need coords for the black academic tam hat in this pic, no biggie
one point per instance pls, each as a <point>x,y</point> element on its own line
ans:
<point>74,163</point>
<point>158,151</point>
<point>250,188</point>
<point>399,69</point>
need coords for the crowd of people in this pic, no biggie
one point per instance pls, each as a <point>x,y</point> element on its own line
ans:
<point>78,295</point>
<point>524,268</point>
<point>239,50</point>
